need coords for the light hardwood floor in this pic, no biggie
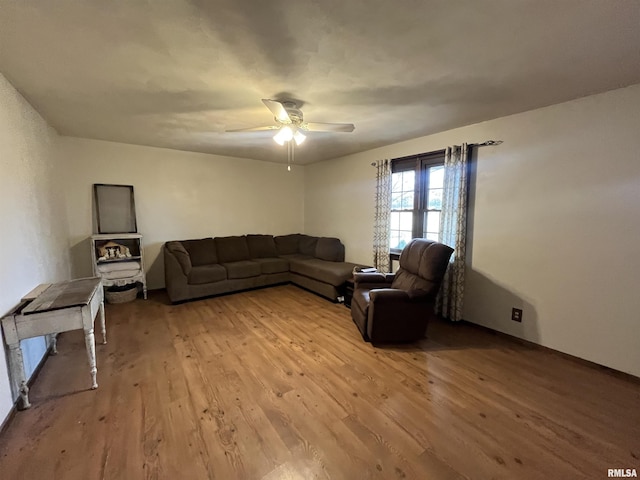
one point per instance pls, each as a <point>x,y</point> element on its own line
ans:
<point>278,384</point>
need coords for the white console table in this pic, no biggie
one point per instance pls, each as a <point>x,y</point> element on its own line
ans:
<point>48,310</point>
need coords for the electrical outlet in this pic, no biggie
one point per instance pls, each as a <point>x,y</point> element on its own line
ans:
<point>516,314</point>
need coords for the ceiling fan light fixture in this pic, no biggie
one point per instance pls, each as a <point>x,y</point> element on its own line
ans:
<point>299,137</point>
<point>284,135</point>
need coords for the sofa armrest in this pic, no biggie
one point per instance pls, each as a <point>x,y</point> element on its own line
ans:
<point>180,254</point>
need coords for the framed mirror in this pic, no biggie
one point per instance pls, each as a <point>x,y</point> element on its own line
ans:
<point>115,208</point>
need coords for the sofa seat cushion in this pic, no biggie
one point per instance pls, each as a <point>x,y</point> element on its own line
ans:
<point>242,269</point>
<point>272,265</point>
<point>333,273</point>
<point>207,274</point>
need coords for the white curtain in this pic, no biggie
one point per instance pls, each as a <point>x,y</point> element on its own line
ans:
<point>382,212</point>
<point>453,230</point>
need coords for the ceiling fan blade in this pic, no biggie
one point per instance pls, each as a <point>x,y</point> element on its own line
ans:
<point>253,129</point>
<point>329,127</point>
<point>278,110</point>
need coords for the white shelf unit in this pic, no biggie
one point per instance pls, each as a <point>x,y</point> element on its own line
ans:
<point>121,275</point>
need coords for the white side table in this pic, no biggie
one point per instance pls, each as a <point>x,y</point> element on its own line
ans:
<point>59,307</point>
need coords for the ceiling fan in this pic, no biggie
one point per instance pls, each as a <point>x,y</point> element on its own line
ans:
<point>290,123</point>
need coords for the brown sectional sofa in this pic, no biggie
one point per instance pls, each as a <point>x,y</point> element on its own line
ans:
<point>211,266</point>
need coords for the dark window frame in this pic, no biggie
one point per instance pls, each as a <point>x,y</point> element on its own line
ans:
<point>420,164</point>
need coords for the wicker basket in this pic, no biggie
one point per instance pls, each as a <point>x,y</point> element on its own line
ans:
<point>122,296</point>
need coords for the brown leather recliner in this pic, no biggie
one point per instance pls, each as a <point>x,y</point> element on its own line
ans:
<point>396,308</point>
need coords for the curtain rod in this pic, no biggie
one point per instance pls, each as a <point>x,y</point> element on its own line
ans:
<point>486,143</point>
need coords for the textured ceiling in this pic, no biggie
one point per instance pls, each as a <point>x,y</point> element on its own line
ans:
<point>177,73</point>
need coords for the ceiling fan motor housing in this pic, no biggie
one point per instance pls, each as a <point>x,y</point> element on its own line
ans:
<point>295,114</point>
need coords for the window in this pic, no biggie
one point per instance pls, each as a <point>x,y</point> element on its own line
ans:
<point>402,207</point>
<point>416,198</point>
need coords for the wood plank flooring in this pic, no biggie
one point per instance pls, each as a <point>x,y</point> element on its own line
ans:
<point>278,384</point>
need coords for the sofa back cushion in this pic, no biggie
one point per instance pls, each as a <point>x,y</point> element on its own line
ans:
<point>308,245</point>
<point>202,251</point>
<point>261,246</point>
<point>330,249</point>
<point>287,244</point>
<point>232,249</point>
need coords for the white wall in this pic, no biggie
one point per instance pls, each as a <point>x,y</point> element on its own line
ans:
<point>555,222</point>
<point>33,241</point>
<point>178,195</point>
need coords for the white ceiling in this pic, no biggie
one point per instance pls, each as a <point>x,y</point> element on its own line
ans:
<point>177,73</point>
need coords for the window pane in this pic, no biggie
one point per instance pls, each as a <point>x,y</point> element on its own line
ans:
<point>433,222</point>
<point>394,238</point>
<point>396,201</point>
<point>399,239</point>
<point>432,236</point>
<point>406,221</point>
<point>407,201</point>
<point>436,177</point>
<point>405,237</point>
<point>394,224</point>
<point>435,199</point>
<point>408,181</point>
<point>396,182</point>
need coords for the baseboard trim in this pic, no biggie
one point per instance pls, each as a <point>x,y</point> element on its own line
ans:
<point>582,361</point>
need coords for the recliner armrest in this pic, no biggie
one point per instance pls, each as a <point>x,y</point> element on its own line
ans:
<point>390,295</point>
<point>369,277</point>
<point>372,280</point>
<point>418,294</point>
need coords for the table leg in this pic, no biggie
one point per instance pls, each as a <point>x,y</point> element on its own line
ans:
<point>90,343</point>
<point>17,370</point>
<point>103,325</point>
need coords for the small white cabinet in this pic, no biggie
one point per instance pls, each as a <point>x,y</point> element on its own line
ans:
<point>118,259</point>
